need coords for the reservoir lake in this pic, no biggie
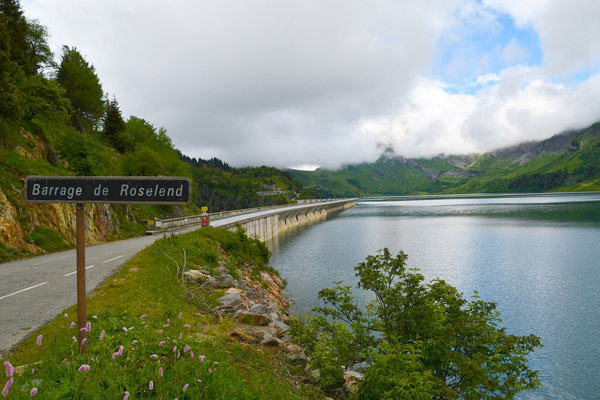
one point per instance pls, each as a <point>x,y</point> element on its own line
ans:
<point>537,256</point>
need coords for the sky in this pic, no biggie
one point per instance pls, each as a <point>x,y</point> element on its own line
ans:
<point>306,83</point>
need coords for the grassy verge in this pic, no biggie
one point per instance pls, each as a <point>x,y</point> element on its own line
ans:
<point>148,337</point>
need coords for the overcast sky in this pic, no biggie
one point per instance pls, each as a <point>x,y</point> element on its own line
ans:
<point>327,82</point>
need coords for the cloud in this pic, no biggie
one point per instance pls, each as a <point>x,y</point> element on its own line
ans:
<point>330,82</point>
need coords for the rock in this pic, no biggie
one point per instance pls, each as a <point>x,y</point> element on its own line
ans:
<point>231,300</point>
<point>298,360</point>
<point>194,275</point>
<point>258,309</point>
<point>250,318</point>
<point>280,326</point>
<point>225,281</point>
<point>275,316</point>
<point>270,340</point>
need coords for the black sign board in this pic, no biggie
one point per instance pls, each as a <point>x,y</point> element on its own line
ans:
<point>107,189</point>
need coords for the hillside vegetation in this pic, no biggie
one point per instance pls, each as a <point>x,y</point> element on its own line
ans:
<point>569,161</point>
<point>56,119</point>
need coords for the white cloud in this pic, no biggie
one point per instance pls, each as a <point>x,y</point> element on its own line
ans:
<point>513,53</point>
<point>327,82</point>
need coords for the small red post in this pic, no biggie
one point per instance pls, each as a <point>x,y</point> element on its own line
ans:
<point>81,314</point>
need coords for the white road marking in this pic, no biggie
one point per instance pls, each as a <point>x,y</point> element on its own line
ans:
<point>112,259</point>
<point>23,290</point>
<point>74,272</point>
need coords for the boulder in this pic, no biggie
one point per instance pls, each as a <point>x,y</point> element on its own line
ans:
<point>270,340</point>
<point>231,300</point>
<point>259,309</point>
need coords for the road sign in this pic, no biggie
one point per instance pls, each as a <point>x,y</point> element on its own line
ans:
<point>107,189</point>
<point>102,189</point>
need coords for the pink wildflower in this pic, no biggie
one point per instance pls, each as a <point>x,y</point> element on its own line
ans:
<point>39,340</point>
<point>210,371</point>
<point>84,329</point>
<point>186,348</point>
<point>95,316</point>
<point>32,371</point>
<point>187,326</point>
<point>151,385</point>
<point>126,395</point>
<point>174,341</point>
<point>180,335</point>
<point>74,339</point>
<point>102,334</point>
<point>131,328</point>
<point>124,329</point>
<point>191,354</point>
<point>121,350</point>
<point>143,316</point>
<point>33,392</point>
<point>134,342</point>
<point>201,358</point>
<point>88,326</point>
<point>66,315</point>
<point>185,387</point>
<point>165,325</point>
<point>72,325</point>
<point>168,321</point>
<point>7,387</point>
<point>180,314</point>
<point>153,356</point>
<point>178,355</point>
<point>9,369</point>
<point>83,341</point>
<point>84,367</point>
<point>162,343</point>
<point>199,380</point>
<point>160,331</point>
<point>174,349</point>
<point>160,371</point>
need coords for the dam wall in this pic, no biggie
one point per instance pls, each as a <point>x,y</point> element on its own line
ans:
<point>269,225</point>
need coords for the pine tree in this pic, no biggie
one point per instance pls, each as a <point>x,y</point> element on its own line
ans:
<point>114,125</point>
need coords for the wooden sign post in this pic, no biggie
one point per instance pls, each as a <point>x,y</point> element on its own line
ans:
<point>101,189</point>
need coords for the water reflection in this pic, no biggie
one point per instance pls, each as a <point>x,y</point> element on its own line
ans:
<point>539,261</point>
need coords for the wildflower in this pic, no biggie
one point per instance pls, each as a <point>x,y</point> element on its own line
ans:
<point>95,316</point>
<point>185,387</point>
<point>102,334</point>
<point>180,335</point>
<point>131,328</point>
<point>134,342</point>
<point>186,348</point>
<point>88,326</point>
<point>121,350</point>
<point>125,330</point>
<point>160,371</point>
<point>84,367</point>
<point>7,387</point>
<point>210,371</point>
<point>32,371</point>
<point>160,331</point>
<point>174,349</point>
<point>66,315</point>
<point>165,325</point>
<point>72,325</point>
<point>118,353</point>
<point>201,358</point>
<point>199,380</point>
<point>9,369</point>
<point>33,392</point>
<point>39,340</point>
<point>178,355</point>
<point>191,354</point>
<point>84,329</point>
<point>74,339</point>
<point>143,316</point>
<point>162,343</point>
<point>153,356</point>
<point>180,314</point>
<point>83,341</point>
<point>126,395</point>
<point>174,341</point>
<point>187,326</point>
<point>168,321</point>
<point>151,385</point>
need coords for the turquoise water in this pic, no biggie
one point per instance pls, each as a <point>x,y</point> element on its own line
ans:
<point>536,256</point>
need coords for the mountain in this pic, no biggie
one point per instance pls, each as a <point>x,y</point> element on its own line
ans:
<point>569,161</point>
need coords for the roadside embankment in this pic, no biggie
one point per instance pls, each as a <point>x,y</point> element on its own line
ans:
<point>197,315</point>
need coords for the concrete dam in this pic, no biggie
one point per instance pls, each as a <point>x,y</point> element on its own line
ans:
<point>263,223</point>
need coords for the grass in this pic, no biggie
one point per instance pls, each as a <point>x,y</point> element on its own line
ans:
<point>143,323</point>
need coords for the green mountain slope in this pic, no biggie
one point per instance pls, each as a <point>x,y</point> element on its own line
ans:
<point>567,161</point>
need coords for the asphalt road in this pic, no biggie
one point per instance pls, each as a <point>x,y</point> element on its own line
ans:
<point>34,291</point>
